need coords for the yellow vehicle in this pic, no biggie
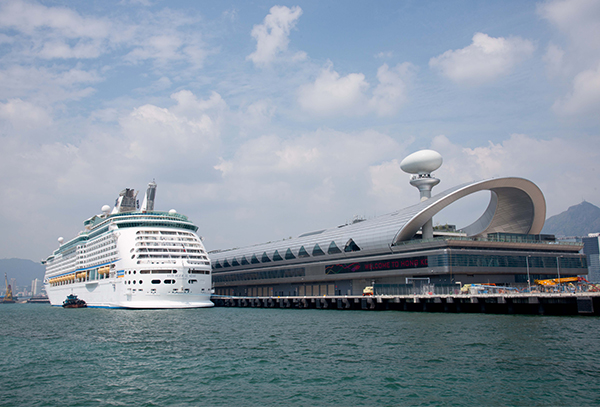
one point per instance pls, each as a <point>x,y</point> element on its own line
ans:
<point>554,281</point>
<point>368,291</point>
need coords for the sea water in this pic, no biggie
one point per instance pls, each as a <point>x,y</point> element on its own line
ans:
<point>252,357</point>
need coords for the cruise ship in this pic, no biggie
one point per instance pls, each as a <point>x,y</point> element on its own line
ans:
<point>132,257</point>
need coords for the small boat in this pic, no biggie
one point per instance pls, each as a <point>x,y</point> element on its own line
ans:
<point>73,302</point>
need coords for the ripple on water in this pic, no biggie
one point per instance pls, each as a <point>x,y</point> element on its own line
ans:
<point>223,356</point>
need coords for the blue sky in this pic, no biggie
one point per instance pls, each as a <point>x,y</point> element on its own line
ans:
<point>264,120</point>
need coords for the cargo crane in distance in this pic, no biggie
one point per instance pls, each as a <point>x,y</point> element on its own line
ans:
<point>8,298</point>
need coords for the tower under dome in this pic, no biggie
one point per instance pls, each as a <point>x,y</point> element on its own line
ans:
<point>421,164</point>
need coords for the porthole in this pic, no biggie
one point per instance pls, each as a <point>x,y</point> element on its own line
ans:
<point>140,281</point>
<point>155,281</point>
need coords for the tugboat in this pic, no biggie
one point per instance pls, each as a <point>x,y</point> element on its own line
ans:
<point>73,302</point>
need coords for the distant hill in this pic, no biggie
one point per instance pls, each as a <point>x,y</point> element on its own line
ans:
<point>24,271</point>
<point>578,220</point>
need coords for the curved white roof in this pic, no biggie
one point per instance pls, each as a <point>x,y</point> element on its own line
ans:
<point>516,206</point>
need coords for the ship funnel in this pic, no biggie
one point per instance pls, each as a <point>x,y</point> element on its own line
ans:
<point>126,202</point>
<point>148,204</point>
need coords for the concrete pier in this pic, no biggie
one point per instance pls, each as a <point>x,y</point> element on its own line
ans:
<point>587,304</point>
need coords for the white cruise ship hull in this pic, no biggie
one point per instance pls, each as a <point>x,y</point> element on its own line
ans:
<point>105,294</point>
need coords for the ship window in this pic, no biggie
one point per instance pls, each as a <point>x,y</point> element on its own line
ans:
<point>277,256</point>
<point>333,249</point>
<point>289,255</point>
<point>265,258</point>
<point>317,251</point>
<point>351,246</point>
<point>192,281</point>
<point>144,271</point>
<point>234,262</point>
<point>226,263</point>
<point>155,281</point>
<point>303,253</point>
<point>140,281</point>
<point>244,261</point>
<point>254,260</point>
<point>169,281</point>
<point>217,265</point>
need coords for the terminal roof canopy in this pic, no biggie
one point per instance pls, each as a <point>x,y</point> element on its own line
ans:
<point>516,206</point>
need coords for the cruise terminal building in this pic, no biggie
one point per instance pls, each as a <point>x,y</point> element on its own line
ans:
<point>504,246</point>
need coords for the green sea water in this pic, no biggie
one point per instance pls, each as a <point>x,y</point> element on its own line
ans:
<point>254,357</point>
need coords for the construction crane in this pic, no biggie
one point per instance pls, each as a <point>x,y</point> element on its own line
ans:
<point>8,298</point>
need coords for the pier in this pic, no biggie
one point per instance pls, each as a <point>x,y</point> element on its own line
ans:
<point>585,304</point>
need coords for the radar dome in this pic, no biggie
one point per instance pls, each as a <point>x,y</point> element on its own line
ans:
<point>105,209</point>
<point>172,212</point>
<point>422,162</point>
<point>61,240</point>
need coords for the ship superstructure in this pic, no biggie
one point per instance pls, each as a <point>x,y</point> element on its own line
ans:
<point>132,257</point>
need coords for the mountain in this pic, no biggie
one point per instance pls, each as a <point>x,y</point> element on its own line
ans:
<point>578,220</point>
<point>24,271</point>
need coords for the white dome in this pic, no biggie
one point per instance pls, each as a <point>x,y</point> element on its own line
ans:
<point>172,212</point>
<point>105,209</point>
<point>61,240</point>
<point>422,162</point>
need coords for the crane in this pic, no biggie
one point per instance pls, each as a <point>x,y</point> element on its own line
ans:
<point>8,298</point>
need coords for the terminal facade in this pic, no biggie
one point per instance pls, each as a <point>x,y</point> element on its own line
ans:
<point>504,246</point>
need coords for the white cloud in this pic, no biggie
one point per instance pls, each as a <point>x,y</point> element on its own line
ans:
<point>61,33</point>
<point>272,35</point>
<point>579,59</point>
<point>584,97</point>
<point>554,59</point>
<point>47,85</point>
<point>389,187</point>
<point>334,94</point>
<point>322,175</point>
<point>390,94</point>
<point>185,131</point>
<point>579,19</point>
<point>29,17</point>
<point>60,49</point>
<point>55,32</point>
<point>383,55</point>
<point>23,116</point>
<point>256,115</point>
<point>485,60</point>
<point>163,47</point>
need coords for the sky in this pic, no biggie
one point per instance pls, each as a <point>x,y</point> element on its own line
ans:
<point>264,120</point>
